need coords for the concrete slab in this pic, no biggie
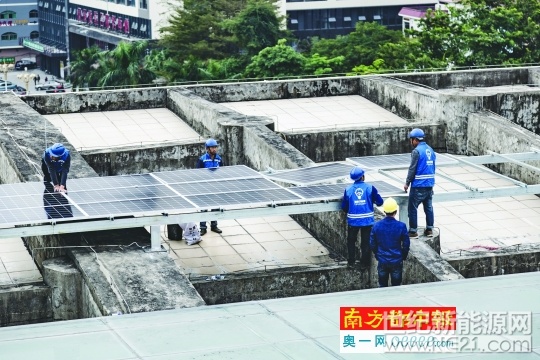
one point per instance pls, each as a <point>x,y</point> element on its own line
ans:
<point>296,115</point>
<point>98,130</point>
<point>291,328</point>
<point>16,264</point>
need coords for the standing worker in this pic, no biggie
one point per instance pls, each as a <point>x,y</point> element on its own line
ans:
<point>421,179</point>
<point>390,244</point>
<point>358,202</point>
<point>210,159</point>
<point>55,165</point>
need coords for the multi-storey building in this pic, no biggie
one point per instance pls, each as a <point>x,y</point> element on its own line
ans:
<point>328,18</point>
<point>18,21</point>
<point>92,22</point>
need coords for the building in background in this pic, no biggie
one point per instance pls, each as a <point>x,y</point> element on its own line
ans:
<point>329,18</point>
<point>411,15</point>
<point>18,21</point>
<point>91,22</point>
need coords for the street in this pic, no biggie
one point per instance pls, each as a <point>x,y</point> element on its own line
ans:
<point>30,89</point>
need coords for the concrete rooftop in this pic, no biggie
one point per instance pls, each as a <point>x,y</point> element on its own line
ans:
<point>300,328</point>
<point>323,113</point>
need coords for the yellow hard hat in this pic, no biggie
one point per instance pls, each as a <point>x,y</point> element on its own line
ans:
<point>390,205</point>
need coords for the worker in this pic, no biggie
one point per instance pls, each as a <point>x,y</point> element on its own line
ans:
<point>358,202</point>
<point>210,159</point>
<point>55,164</point>
<point>390,244</point>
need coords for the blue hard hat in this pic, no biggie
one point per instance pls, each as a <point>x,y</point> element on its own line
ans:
<point>58,150</point>
<point>416,133</point>
<point>211,142</point>
<point>356,173</point>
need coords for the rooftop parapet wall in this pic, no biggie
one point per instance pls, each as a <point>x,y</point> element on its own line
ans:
<point>522,108</point>
<point>485,132</point>
<point>470,78</point>
<point>279,89</point>
<point>106,100</point>
<point>337,145</point>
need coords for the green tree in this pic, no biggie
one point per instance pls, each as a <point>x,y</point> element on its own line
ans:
<point>85,67</point>
<point>124,65</point>
<point>276,61</point>
<point>319,65</point>
<point>257,26</point>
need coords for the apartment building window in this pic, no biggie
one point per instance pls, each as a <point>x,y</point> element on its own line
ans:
<point>143,4</point>
<point>8,15</point>
<point>33,14</point>
<point>9,36</point>
<point>34,35</point>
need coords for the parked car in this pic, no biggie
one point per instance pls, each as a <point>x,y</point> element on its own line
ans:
<point>3,84</point>
<point>25,63</point>
<point>16,89</point>
<point>59,89</point>
<point>49,85</point>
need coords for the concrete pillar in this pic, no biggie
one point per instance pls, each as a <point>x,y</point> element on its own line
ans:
<point>65,281</point>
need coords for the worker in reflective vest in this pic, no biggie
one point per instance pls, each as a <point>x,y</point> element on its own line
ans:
<point>55,164</point>
<point>421,179</point>
<point>210,159</point>
<point>358,202</point>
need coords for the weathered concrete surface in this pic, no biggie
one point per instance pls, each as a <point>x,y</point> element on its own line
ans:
<point>323,146</point>
<point>511,260</point>
<point>486,131</point>
<point>243,139</point>
<point>280,89</point>
<point>139,281</point>
<point>522,108</point>
<point>105,100</point>
<point>281,283</point>
<point>469,78</point>
<point>25,304</point>
<point>138,160</point>
<point>65,281</point>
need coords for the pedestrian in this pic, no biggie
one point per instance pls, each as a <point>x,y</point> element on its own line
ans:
<point>35,80</point>
<point>46,79</point>
<point>210,159</point>
<point>390,243</point>
<point>38,78</point>
<point>421,179</point>
<point>358,202</point>
<point>55,164</point>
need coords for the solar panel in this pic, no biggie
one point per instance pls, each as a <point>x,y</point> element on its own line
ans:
<point>243,198</point>
<point>395,161</point>
<point>112,182</point>
<point>131,207</point>
<point>196,175</point>
<point>224,186</point>
<point>314,174</point>
<point>116,194</point>
<point>335,191</point>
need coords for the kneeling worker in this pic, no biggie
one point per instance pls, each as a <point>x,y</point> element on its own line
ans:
<point>55,165</point>
<point>390,243</point>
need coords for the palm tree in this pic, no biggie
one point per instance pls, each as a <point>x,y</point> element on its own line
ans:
<point>85,67</point>
<point>124,65</point>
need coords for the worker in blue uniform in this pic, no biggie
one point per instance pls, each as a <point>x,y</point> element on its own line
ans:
<point>420,179</point>
<point>55,164</point>
<point>209,160</point>
<point>358,201</point>
<point>390,244</point>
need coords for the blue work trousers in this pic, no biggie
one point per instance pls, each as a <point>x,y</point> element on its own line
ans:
<point>395,271</point>
<point>417,196</point>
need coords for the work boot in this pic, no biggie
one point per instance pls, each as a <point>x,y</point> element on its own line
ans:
<point>216,230</point>
<point>203,231</point>
<point>428,232</point>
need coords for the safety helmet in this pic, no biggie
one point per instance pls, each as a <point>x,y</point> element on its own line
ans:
<point>416,133</point>
<point>390,205</point>
<point>58,150</point>
<point>357,173</point>
<point>211,143</point>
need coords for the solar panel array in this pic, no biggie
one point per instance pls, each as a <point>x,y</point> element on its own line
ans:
<point>314,174</point>
<point>156,193</point>
<point>335,191</point>
<point>395,161</point>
